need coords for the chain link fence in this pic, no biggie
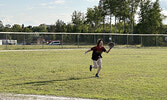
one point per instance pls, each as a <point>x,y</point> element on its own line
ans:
<point>44,40</point>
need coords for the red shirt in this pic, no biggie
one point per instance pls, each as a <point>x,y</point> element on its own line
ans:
<point>97,51</point>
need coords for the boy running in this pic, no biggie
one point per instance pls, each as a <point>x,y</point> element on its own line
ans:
<point>96,56</point>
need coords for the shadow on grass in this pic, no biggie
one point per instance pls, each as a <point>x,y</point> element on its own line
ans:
<point>51,81</point>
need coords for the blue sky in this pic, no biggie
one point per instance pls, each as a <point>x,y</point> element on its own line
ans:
<point>35,12</point>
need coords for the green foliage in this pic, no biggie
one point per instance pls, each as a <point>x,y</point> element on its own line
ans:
<point>26,29</point>
<point>69,28</point>
<point>150,18</point>
<point>77,20</point>
<point>93,18</point>
<point>60,26</point>
<point>90,16</point>
<point>16,28</point>
<point>51,28</point>
<point>41,28</point>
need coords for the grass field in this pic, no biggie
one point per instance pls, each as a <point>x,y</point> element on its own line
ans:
<point>127,74</point>
<point>30,47</point>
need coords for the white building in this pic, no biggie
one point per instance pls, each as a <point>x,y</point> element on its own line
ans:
<point>0,42</point>
<point>8,42</point>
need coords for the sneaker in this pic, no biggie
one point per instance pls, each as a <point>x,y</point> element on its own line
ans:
<point>90,68</point>
<point>96,75</point>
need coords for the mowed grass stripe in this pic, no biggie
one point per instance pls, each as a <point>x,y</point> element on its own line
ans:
<point>126,74</point>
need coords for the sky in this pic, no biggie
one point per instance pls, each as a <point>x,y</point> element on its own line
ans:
<point>36,12</point>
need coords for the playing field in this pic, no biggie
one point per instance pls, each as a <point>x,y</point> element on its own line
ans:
<point>127,74</point>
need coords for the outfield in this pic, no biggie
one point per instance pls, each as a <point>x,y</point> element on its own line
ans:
<point>130,74</point>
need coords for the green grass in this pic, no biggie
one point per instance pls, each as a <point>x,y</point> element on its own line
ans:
<point>127,74</point>
<point>30,47</point>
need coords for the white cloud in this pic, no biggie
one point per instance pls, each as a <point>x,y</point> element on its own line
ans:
<point>56,2</point>
<point>53,4</point>
<point>25,19</point>
<point>6,19</point>
<point>43,4</point>
<point>92,0</point>
<point>164,12</point>
<point>59,2</point>
<point>163,1</point>
<point>30,8</point>
<point>153,0</point>
<point>163,4</point>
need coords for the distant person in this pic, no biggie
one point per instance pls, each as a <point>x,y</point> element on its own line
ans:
<point>96,56</point>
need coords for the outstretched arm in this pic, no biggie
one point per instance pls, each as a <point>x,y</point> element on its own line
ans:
<point>108,50</point>
<point>87,51</point>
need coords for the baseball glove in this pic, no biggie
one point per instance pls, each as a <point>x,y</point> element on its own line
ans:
<point>111,45</point>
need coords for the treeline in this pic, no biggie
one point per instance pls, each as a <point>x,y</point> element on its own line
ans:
<point>101,18</point>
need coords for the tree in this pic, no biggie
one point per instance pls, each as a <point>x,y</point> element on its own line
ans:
<point>69,27</point>
<point>51,28</point>
<point>103,12</point>
<point>150,17</point>
<point>60,26</point>
<point>17,28</point>
<point>125,10</point>
<point>89,17</point>
<point>26,29</point>
<point>156,18</point>
<point>110,7</point>
<point>40,28</point>
<point>150,20</point>
<point>77,19</point>
<point>134,5</point>
<point>93,17</point>
<point>119,13</point>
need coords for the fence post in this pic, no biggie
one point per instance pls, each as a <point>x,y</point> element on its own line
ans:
<point>94,40</point>
<point>78,40</point>
<point>127,40</point>
<point>62,40</point>
<point>156,40</point>
<point>24,41</point>
<point>6,40</point>
<point>42,41</point>
<point>141,41</point>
